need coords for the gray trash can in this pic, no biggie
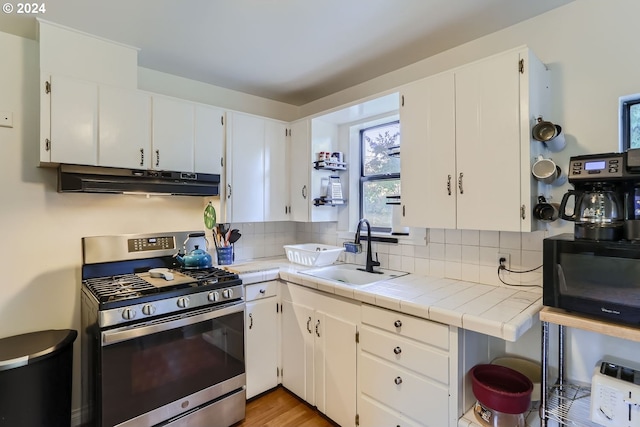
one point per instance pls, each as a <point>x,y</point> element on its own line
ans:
<point>35,379</point>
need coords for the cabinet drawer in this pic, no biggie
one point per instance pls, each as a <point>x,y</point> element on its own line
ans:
<point>426,331</point>
<point>372,414</point>
<point>261,290</point>
<point>407,393</point>
<point>408,354</point>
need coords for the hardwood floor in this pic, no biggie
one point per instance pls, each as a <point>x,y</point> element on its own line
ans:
<point>280,408</point>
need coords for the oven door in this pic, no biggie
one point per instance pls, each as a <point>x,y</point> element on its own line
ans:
<point>157,370</point>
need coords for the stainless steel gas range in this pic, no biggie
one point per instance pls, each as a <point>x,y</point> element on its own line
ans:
<point>159,350</point>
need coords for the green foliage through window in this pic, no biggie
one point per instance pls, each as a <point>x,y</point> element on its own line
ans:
<point>379,173</point>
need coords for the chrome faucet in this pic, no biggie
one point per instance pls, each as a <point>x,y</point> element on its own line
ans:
<point>356,248</point>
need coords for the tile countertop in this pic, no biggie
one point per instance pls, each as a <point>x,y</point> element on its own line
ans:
<point>501,312</point>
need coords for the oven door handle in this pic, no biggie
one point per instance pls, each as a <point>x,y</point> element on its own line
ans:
<point>172,322</point>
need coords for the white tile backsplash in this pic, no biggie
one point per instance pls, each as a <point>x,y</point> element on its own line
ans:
<point>468,255</point>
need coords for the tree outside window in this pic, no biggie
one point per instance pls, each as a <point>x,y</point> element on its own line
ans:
<point>379,173</point>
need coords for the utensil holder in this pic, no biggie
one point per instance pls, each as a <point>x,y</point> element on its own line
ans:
<point>225,255</point>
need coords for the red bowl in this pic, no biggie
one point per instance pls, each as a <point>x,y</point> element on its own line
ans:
<point>500,388</point>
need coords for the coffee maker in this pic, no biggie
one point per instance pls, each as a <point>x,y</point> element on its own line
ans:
<point>606,196</point>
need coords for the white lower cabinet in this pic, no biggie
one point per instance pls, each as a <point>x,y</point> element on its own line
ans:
<point>261,337</point>
<point>319,351</point>
<point>405,370</point>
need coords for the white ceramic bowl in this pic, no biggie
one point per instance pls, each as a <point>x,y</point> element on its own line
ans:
<point>529,368</point>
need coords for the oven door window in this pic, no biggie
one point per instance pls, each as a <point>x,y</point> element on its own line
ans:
<point>150,371</point>
<point>603,277</point>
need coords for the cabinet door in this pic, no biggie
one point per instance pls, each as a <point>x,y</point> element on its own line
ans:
<point>74,121</point>
<point>427,158</point>
<point>261,357</point>
<point>125,128</point>
<point>297,350</point>
<point>276,172</point>
<point>300,165</point>
<point>209,139</point>
<point>488,144</point>
<point>173,135</point>
<point>335,368</point>
<point>247,168</point>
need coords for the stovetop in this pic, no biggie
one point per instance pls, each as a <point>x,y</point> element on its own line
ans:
<point>122,289</point>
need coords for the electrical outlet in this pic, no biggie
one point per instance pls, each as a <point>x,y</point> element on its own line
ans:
<point>6,119</point>
<point>507,258</point>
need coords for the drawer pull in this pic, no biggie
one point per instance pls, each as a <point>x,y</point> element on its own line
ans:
<point>262,291</point>
<point>398,381</point>
<point>397,323</point>
<point>309,325</point>
<point>318,326</point>
<point>250,320</point>
<point>397,350</point>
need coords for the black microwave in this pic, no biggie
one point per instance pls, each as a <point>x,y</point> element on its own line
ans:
<point>597,278</point>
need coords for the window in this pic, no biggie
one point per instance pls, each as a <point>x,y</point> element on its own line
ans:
<point>630,122</point>
<point>379,173</point>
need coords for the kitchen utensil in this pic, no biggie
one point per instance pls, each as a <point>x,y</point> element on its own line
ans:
<point>546,212</point>
<point>598,212</point>
<point>528,368</point>
<point>557,143</point>
<point>197,258</point>
<point>209,216</point>
<point>500,388</point>
<point>547,172</point>
<point>225,255</point>
<point>163,273</point>
<point>543,131</point>
<point>235,236</point>
<point>488,417</point>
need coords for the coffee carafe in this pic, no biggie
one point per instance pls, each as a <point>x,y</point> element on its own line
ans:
<point>598,211</point>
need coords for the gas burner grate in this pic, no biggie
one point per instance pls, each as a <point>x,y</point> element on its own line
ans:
<point>210,275</point>
<point>119,287</point>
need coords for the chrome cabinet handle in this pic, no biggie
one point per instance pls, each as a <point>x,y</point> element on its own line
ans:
<point>309,325</point>
<point>317,326</point>
<point>157,157</point>
<point>460,183</point>
<point>142,157</point>
<point>250,320</point>
<point>397,350</point>
<point>304,191</point>
<point>397,323</point>
<point>449,185</point>
<point>398,381</point>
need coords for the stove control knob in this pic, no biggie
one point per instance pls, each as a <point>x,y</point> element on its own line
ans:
<point>148,309</point>
<point>213,296</point>
<point>183,302</point>
<point>128,314</point>
<point>227,293</point>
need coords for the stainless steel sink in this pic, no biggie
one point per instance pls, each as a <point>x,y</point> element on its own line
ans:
<point>350,274</point>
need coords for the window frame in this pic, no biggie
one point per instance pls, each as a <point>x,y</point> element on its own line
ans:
<point>626,102</point>
<point>378,177</point>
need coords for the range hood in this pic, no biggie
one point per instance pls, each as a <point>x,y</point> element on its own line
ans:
<point>93,179</point>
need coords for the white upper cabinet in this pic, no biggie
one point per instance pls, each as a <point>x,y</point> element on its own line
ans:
<point>209,139</point>
<point>125,128</point>
<point>497,102</point>
<point>173,134</point>
<point>428,156</point>
<point>299,170</point>
<point>69,121</point>
<point>466,144</point>
<point>276,172</point>
<point>257,178</point>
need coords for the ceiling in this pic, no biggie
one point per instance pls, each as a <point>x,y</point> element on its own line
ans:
<point>294,51</point>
